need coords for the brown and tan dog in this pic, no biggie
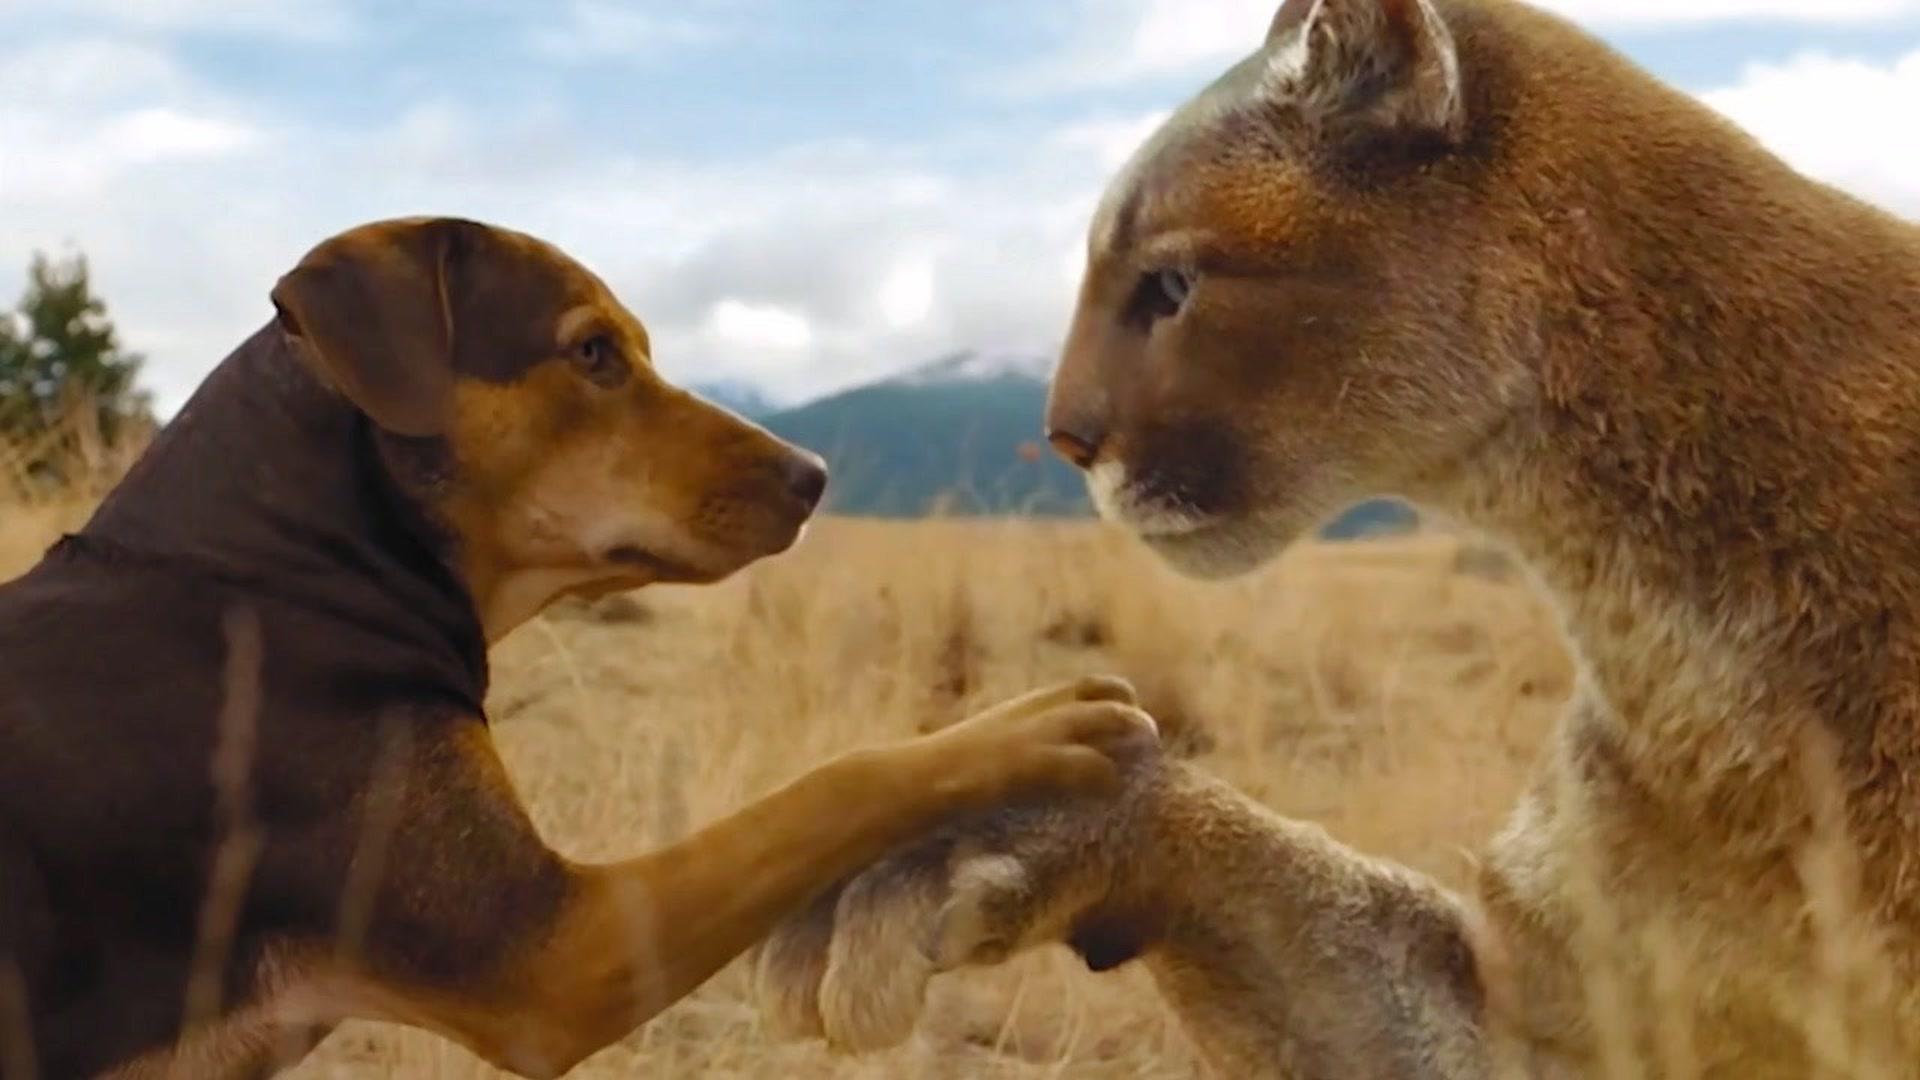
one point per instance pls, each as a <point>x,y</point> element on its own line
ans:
<point>1459,250</point>
<point>246,784</point>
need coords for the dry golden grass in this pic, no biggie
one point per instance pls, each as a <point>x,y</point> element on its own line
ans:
<point>1395,691</point>
<point>36,505</point>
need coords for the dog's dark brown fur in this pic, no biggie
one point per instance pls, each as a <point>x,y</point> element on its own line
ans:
<point>246,785</point>
<point>1461,251</point>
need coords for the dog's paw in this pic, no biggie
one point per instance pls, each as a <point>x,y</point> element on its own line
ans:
<point>1076,738</point>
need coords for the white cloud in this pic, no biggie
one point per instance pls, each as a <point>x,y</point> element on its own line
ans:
<point>158,134</point>
<point>1171,34</point>
<point>1828,116</point>
<point>81,71</point>
<point>1118,41</point>
<point>1644,12</point>
<point>907,295</point>
<point>802,269</point>
<point>299,20</point>
<point>1111,140</point>
<point>596,30</point>
<point>67,165</point>
<point>77,115</point>
<point>744,325</point>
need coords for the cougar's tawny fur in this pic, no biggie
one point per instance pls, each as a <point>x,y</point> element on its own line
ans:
<point>1461,251</point>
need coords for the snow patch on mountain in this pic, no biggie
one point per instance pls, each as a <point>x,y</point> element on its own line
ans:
<point>737,396</point>
<point>977,366</point>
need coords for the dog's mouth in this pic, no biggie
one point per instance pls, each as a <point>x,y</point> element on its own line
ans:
<point>718,558</point>
<point>654,565</point>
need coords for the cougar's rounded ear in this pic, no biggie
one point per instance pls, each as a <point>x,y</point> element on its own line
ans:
<point>1390,65</point>
<point>1291,14</point>
<point>371,306</point>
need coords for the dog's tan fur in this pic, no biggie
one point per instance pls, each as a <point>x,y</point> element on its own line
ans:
<point>1459,250</point>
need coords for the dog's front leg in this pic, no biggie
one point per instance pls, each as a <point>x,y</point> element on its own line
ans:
<point>1285,953</point>
<point>629,939</point>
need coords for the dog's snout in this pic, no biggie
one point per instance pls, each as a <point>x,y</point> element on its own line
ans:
<point>806,477</point>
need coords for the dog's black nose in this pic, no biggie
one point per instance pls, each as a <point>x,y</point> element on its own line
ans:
<point>806,477</point>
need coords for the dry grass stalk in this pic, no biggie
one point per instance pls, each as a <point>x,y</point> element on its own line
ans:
<point>240,835</point>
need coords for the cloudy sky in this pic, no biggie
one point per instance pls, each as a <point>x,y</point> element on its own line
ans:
<point>803,194</point>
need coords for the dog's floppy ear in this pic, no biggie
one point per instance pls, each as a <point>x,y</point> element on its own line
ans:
<point>373,307</point>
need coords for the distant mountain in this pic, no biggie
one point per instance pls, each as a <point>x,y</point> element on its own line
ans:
<point>743,398</point>
<point>960,435</point>
<point>1373,519</point>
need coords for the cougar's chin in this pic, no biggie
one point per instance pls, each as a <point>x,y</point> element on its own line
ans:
<point>1195,541</point>
<point>1221,548</point>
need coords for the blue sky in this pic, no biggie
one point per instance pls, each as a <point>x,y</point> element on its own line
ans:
<point>802,194</point>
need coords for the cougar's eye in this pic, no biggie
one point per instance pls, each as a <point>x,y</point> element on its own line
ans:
<point>1161,294</point>
<point>1176,286</point>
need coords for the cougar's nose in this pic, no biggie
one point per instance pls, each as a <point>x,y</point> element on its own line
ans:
<point>1078,444</point>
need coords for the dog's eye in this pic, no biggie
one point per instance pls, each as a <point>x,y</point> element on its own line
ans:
<point>599,359</point>
<point>1160,295</point>
<point>596,351</point>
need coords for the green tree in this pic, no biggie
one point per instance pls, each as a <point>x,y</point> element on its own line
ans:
<point>59,353</point>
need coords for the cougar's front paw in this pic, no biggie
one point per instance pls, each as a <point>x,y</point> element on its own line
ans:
<point>787,968</point>
<point>855,968</point>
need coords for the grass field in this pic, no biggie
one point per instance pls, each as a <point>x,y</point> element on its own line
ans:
<point>1395,691</point>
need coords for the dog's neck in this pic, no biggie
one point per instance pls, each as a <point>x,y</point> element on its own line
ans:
<point>271,476</point>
